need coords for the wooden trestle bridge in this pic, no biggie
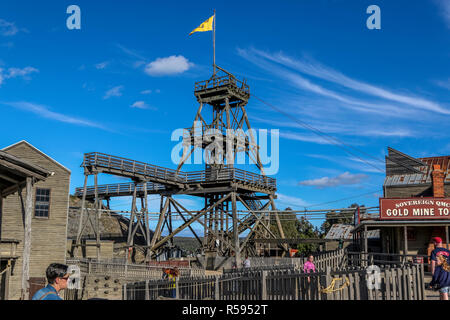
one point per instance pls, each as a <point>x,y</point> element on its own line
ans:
<point>222,186</point>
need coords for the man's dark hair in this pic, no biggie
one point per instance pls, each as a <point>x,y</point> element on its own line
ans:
<point>54,271</point>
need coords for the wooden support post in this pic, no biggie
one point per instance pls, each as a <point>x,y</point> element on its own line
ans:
<point>237,248</point>
<point>447,237</point>
<point>405,235</point>
<point>147,222</point>
<point>147,293</point>
<point>27,240</point>
<point>97,214</point>
<point>80,225</point>
<point>366,248</point>
<point>130,241</point>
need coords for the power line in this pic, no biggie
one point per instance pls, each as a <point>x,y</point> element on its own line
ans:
<point>351,197</point>
<point>339,143</point>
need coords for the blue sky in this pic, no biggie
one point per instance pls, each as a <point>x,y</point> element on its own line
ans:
<point>125,81</point>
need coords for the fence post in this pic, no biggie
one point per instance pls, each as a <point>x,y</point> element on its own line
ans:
<point>216,289</point>
<point>124,293</point>
<point>177,289</point>
<point>422,282</point>
<point>264,285</point>
<point>328,281</point>
<point>147,293</point>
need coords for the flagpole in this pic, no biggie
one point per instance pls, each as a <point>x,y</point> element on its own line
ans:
<point>214,43</point>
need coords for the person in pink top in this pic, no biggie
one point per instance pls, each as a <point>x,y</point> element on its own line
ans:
<point>309,265</point>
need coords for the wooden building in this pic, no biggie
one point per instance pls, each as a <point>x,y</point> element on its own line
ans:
<point>415,207</point>
<point>40,231</point>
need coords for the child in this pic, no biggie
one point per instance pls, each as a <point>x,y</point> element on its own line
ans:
<point>441,276</point>
<point>309,265</point>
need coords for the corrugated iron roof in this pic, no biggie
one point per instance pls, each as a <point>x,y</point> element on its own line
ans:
<point>413,177</point>
<point>343,231</point>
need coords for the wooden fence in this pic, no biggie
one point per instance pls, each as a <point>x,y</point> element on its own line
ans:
<point>128,271</point>
<point>406,283</point>
<point>393,259</point>
<point>335,259</point>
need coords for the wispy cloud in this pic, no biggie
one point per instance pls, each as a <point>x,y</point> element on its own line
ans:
<point>341,128</point>
<point>146,92</point>
<point>130,52</point>
<point>320,71</point>
<point>113,92</point>
<point>7,28</point>
<point>142,105</point>
<point>11,73</point>
<point>346,178</point>
<point>304,138</point>
<point>291,201</point>
<point>168,66</point>
<point>45,112</point>
<point>443,83</point>
<point>102,65</point>
<point>444,6</point>
<point>278,64</point>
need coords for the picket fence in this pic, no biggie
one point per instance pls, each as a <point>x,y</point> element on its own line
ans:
<point>405,283</point>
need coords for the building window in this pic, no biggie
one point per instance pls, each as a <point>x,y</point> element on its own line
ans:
<point>42,206</point>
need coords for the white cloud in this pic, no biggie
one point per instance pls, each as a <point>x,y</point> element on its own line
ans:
<point>291,201</point>
<point>317,70</point>
<point>345,129</point>
<point>305,138</point>
<point>102,65</point>
<point>11,73</point>
<point>8,28</point>
<point>141,105</point>
<point>146,92</point>
<point>45,112</point>
<point>17,72</point>
<point>114,92</point>
<point>346,178</point>
<point>444,83</point>
<point>168,66</point>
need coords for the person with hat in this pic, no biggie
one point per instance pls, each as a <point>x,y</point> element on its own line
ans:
<point>439,250</point>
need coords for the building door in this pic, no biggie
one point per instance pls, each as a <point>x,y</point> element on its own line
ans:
<point>36,284</point>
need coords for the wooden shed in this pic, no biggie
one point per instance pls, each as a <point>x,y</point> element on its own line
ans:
<point>49,202</point>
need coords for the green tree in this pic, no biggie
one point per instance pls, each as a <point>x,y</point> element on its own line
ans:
<point>307,231</point>
<point>342,216</point>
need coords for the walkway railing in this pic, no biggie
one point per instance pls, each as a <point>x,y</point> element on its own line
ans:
<point>123,166</point>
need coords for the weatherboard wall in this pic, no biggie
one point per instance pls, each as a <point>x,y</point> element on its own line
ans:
<point>48,235</point>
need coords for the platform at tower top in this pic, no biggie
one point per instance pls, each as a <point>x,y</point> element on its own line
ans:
<point>220,86</point>
<point>169,178</point>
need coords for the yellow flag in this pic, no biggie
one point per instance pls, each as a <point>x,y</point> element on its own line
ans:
<point>205,26</point>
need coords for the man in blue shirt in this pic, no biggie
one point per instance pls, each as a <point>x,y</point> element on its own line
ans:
<point>439,250</point>
<point>57,278</point>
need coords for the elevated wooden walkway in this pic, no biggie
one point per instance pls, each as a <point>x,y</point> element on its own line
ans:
<point>161,177</point>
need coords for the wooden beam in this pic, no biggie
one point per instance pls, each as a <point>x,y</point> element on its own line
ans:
<point>185,225</point>
<point>27,240</point>
<point>21,171</point>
